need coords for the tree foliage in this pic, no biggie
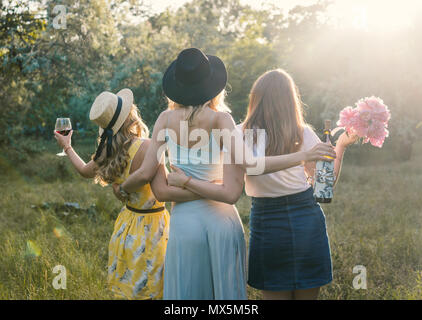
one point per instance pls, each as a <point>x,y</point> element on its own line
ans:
<point>112,44</point>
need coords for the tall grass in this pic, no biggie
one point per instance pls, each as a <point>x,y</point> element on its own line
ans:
<point>375,221</point>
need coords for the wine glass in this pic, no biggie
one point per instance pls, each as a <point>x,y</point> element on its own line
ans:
<point>63,126</point>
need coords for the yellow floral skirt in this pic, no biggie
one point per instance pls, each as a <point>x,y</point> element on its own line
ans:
<point>136,255</point>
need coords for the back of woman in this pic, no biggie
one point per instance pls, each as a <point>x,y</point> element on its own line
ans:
<point>206,256</point>
<point>191,145</point>
<point>289,251</point>
<point>138,244</point>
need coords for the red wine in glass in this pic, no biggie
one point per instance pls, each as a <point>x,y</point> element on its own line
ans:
<point>63,126</point>
<point>64,132</point>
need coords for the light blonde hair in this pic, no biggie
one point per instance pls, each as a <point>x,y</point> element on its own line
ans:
<point>275,105</point>
<point>113,167</point>
<point>217,104</point>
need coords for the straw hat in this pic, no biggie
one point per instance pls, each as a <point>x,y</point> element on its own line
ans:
<point>104,108</point>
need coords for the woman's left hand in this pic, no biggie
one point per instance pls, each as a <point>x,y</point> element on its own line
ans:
<point>176,177</point>
<point>63,141</point>
<point>346,140</point>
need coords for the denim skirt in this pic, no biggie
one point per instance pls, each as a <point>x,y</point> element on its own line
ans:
<point>288,247</point>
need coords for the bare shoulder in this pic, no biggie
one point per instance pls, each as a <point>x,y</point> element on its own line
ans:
<point>222,115</point>
<point>162,118</point>
<point>165,113</point>
<point>224,120</point>
<point>140,154</point>
<point>145,142</point>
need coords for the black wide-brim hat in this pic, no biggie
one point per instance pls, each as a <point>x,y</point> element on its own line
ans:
<point>194,78</point>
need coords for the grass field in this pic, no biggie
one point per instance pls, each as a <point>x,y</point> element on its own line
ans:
<point>375,221</point>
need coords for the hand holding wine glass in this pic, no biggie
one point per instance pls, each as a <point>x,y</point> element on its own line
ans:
<point>63,134</point>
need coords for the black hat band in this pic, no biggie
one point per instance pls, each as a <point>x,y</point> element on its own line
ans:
<point>108,132</point>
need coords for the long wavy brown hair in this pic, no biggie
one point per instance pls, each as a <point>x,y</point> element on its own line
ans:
<point>113,167</point>
<point>275,106</point>
<point>217,104</point>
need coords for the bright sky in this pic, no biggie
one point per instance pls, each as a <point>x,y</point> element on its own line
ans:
<point>362,14</point>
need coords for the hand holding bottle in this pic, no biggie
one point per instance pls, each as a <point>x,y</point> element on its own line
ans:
<point>321,151</point>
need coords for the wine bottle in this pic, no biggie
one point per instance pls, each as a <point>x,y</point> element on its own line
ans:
<point>324,173</point>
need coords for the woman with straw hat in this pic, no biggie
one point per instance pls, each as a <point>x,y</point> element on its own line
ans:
<point>138,244</point>
<point>206,251</point>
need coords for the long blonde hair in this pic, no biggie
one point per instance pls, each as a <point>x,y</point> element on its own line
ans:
<point>275,105</point>
<point>113,167</point>
<point>217,104</point>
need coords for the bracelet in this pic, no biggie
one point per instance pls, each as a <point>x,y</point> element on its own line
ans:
<point>67,148</point>
<point>186,182</point>
<point>123,193</point>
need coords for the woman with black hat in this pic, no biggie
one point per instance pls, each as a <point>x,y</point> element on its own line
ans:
<point>206,251</point>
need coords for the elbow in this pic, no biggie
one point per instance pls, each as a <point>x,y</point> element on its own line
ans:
<point>160,196</point>
<point>144,177</point>
<point>138,179</point>
<point>232,198</point>
<point>83,175</point>
<point>86,175</point>
<point>231,201</point>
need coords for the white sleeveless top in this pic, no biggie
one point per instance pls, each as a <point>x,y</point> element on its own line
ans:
<point>284,182</point>
<point>204,163</point>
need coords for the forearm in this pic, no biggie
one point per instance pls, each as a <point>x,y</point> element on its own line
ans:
<point>176,194</point>
<point>148,169</point>
<point>135,181</point>
<point>143,175</point>
<point>80,165</point>
<point>271,164</point>
<point>209,190</point>
<point>277,163</point>
<point>338,162</point>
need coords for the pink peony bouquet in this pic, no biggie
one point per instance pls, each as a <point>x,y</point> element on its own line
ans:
<point>368,120</point>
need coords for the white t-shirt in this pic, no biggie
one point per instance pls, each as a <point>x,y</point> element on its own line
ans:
<point>284,182</point>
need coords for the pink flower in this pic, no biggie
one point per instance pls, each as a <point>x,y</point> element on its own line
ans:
<point>362,106</point>
<point>360,127</point>
<point>378,109</point>
<point>347,116</point>
<point>383,116</point>
<point>376,128</point>
<point>376,142</point>
<point>365,115</point>
<point>369,120</point>
<point>376,104</point>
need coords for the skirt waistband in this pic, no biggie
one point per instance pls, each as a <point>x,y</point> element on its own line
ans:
<point>154,210</point>
<point>287,199</point>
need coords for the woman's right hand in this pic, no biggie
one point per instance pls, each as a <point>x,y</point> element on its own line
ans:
<point>63,141</point>
<point>117,193</point>
<point>176,177</point>
<point>321,151</point>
